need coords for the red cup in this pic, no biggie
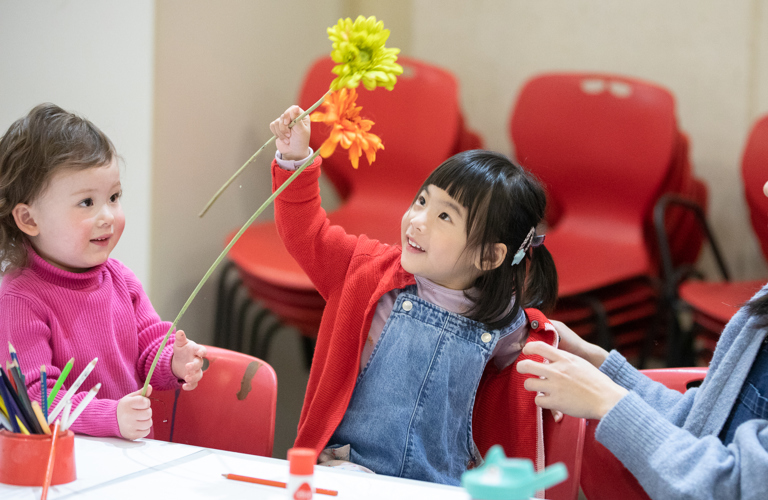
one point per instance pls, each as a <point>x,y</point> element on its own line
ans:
<point>24,458</point>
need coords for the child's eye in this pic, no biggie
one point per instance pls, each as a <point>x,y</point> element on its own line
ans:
<point>421,200</point>
<point>116,196</point>
<point>444,216</point>
<point>88,202</point>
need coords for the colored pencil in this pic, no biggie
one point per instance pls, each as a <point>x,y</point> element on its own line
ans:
<point>23,429</point>
<point>25,404</point>
<point>8,365</point>
<point>3,409</point>
<point>44,392</point>
<point>51,462</point>
<point>10,402</point>
<point>65,414</point>
<point>75,386</point>
<point>277,484</point>
<point>5,422</point>
<point>87,399</point>
<point>60,381</point>
<point>14,356</point>
<point>41,418</point>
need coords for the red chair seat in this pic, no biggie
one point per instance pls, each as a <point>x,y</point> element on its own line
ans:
<point>719,300</point>
<point>591,254</point>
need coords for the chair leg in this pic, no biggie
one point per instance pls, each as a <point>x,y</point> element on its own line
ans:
<point>236,342</point>
<point>308,343</point>
<point>228,319</point>
<point>258,319</point>
<point>267,340</point>
<point>602,331</point>
<point>221,304</point>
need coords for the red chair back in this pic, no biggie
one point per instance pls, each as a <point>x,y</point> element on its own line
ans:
<point>419,128</point>
<point>602,144</point>
<point>754,169</point>
<point>564,442</point>
<point>603,477</point>
<point>232,408</point>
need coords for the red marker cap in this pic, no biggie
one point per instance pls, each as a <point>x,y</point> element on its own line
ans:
<point>302,461</point>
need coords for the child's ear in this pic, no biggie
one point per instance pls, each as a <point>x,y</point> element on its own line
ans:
<point>494,256</point>
<point>24,220</point>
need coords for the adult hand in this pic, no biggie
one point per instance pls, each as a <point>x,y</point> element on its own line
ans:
<point>571,342</point>
<point>569,383</point>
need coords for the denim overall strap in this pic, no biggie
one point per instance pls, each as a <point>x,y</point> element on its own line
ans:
<point>752,401</point>
<point>410,414</point>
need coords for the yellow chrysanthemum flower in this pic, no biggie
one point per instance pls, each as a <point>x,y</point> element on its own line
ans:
<point>358,50</point>
<point>348,128</point>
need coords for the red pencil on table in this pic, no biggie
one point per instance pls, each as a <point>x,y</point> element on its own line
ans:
<point>278,484</point>
<point>51,460</point>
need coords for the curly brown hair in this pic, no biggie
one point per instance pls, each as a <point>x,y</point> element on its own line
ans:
<point>31,151</point>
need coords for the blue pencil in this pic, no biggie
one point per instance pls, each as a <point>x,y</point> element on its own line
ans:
<point>9,403</point>
<point>15,357</point>
<point>44,394</point>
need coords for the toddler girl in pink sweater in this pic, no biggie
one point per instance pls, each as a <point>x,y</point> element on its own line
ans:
<point>61,295</point>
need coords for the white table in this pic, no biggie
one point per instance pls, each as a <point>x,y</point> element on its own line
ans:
<point>146,469</point>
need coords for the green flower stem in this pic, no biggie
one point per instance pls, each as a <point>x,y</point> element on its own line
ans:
<point>220,258</point>
<point>240,170</point>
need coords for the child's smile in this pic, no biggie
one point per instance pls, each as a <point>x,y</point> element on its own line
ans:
<point>434,240</point>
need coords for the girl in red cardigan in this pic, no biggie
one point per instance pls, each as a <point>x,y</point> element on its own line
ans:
<point>408,330</point>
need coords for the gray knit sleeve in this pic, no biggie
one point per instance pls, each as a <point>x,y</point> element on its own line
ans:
<point>671,463</point>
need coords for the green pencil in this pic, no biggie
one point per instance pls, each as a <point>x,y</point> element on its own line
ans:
<point>60,381</point>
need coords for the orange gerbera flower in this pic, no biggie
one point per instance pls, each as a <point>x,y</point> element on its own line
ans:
<point>342,114</point>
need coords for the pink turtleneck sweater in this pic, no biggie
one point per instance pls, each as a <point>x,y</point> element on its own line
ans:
<point>51,315</point>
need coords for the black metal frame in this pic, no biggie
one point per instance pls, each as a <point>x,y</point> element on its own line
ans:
<point>233,305</point>
<point>680,350</point>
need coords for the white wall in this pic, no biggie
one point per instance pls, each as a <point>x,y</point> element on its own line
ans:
<point>93,57</point>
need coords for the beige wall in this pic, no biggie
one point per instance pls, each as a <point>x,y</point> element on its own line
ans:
<point>224,70</point>
<point>713,55</point>
<point>213,74</point>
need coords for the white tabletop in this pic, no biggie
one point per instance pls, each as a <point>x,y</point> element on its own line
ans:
<point>147,469</point>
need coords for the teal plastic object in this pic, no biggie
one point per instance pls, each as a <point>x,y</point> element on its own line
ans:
<point>502,478</point>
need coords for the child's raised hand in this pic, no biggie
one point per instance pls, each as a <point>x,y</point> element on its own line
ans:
<point>293,143</point>
<point>187,362</point>
<point>134,415</point>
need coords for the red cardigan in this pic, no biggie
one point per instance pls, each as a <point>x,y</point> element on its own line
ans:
<point>352,273</point>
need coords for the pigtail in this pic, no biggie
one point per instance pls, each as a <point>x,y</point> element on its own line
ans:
<point>541,281</point>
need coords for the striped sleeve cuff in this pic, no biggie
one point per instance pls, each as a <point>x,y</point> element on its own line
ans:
<point>620,371</point>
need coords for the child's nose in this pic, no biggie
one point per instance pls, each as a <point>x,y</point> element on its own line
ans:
<point>106,216</point>
<point>419,222</point>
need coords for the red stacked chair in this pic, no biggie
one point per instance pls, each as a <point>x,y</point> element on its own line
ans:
<point>606,147</point>
<point>420,124</point>
<point>713,303</point>
<point>603,477</point>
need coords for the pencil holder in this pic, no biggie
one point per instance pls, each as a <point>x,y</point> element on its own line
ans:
<point>24,458</point>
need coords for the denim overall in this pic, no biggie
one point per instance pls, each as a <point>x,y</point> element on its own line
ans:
<point>410,414</point>
<point>752,402</point>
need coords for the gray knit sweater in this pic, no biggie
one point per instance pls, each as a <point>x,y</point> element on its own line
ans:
<point>669,441</point>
